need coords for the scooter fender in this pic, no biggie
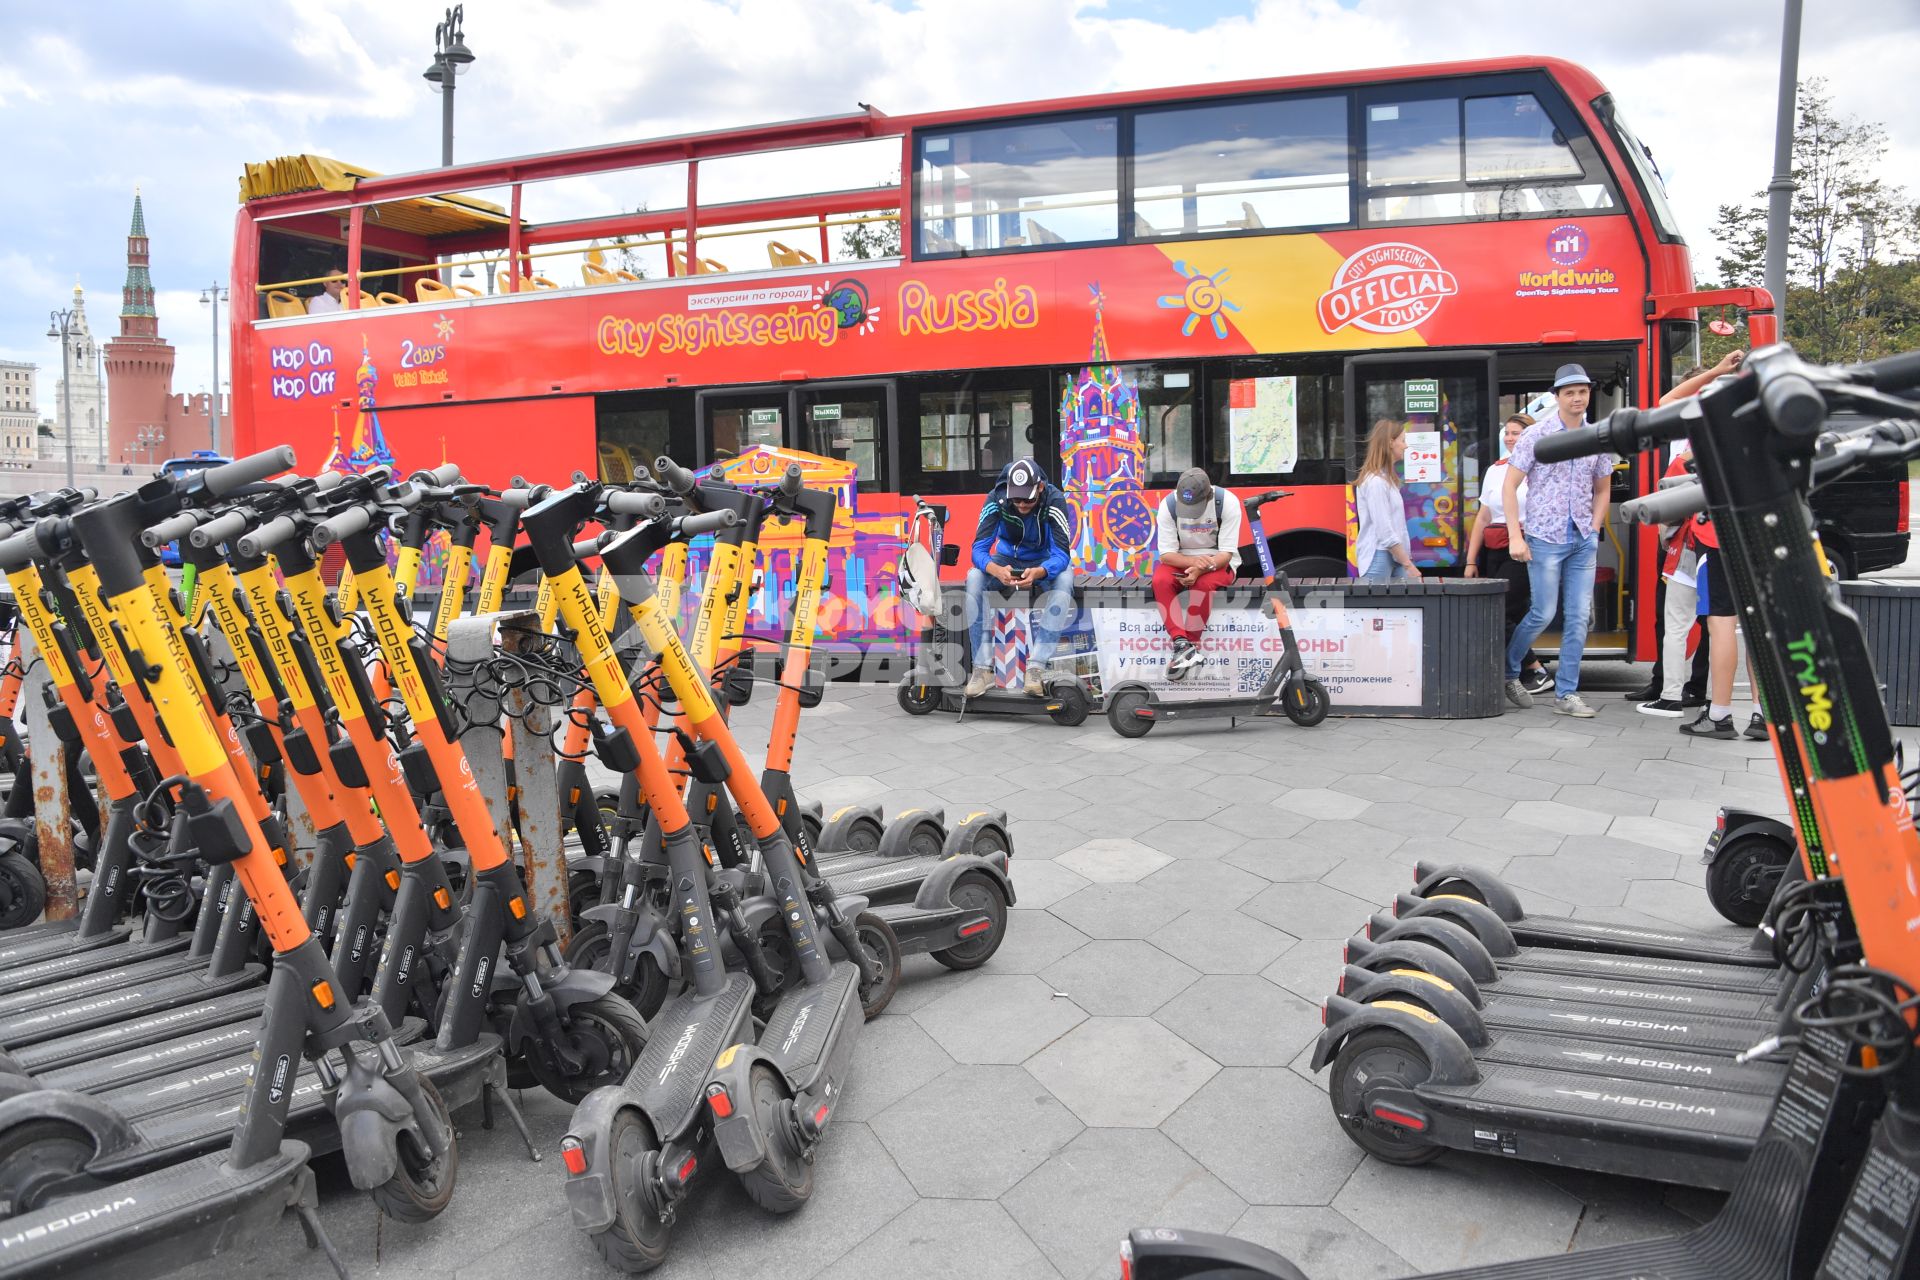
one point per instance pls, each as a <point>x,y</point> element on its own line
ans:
<point>1422,990</point>
<point>12,1085</point>
<point>108,1128</point>
<point>936,891</point>
<point>1475,917</point>
<point>1745,822</point>
<point>1446,1053</point>
<point>1454,939</point>
<point>1431,878</point>
<point>576,986</point>
<point>1385,957</point>
<point>647,939</point>
<point>590,1194</point>
<point>371,1113</point>
<point>740,1137</point>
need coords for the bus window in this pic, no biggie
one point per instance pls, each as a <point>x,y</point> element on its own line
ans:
<point>849,423</point>
<point>1168,396</point>
<point>1275,420</point>
<point>1041,182</point>
<point>735,424</point>
<point>636,428</point>
<point>1246,166</point>
<point>966,427</point>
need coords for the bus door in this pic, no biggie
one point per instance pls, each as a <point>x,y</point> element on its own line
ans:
<point>851,421</point>
<point>1446,402</point>
<point>731,422</point>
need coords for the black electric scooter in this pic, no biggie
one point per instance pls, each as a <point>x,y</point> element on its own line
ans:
<point>1133,707</point>
<point>941,657</point>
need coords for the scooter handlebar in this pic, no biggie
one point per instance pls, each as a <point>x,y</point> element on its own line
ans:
<point>16,552</point>
<point>342,524</point>
<point>222,480</point>
<point>1669,506</point>
<point>172,529</point>
<point>790,482</point>
<point>629,502</point>
<point>673,475</point>
<point>1893,374</point>
<point>440,477</point>
<point>219,529</point>
<point>268,536</point>
<point>708,522</point>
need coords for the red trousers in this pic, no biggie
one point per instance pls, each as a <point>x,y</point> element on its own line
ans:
<point>1185,609</point>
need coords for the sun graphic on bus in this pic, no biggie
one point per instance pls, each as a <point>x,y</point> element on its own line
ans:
<point>1202,299</point>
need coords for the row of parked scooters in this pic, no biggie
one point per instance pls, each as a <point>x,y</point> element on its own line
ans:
<point>1781,1067</point>
<point>689,957</point>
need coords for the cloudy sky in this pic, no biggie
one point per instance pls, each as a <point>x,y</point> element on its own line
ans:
<point>101,97</point>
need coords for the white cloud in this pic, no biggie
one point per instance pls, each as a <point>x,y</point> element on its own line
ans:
<point>95,99</point>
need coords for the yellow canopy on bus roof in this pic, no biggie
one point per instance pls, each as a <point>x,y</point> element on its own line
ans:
<point>420,215</point>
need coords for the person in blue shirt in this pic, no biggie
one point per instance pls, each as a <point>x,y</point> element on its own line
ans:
<point>1024,540</point>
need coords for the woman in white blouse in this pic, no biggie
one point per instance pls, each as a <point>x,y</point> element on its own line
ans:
<point>1487,555</point>
<point>1382,551</point>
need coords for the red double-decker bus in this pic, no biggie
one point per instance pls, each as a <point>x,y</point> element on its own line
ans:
<point>1241,276</point>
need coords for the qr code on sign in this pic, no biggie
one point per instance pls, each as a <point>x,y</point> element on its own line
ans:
<point>1249,679</point>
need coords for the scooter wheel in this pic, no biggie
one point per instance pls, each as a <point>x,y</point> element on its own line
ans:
<point>608,1034</point>
<point>23,892</point>
<point>423,1185</point>
<point>976,891</point>
<point>851,830</point>
<point>1745,872</point>
<point>1073,706</point>
<point>784,1180</point>
<point>1122,714</point>
<point>913,835</point>
<point>918,699</point>
<point>591,946</point>
<point>1378,1056</point>
<point>1306,702</point>
<point>812,824</point>
<point>880,941</point>
<point>41,1159</point>
<point>583,891</point>
<point>637,1240</point>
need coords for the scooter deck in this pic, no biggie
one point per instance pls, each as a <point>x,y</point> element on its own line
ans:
<point>1518,1049</point>
<point>881,879</point>
<point>669,1078</point>
<point>130,1066</point>
<point>140,965</point>
<point>157,1030</point>
<point>16,950</point>
<point>811,1031</point>
<point>1648,1028</point>
<point>1675,1132</point>
<point>136,1229</point>
<point>1591,935</point>
<point>74,964</point>
<point>1680,973</point>
<point>47,1022</point>
<point>1751,1006</point>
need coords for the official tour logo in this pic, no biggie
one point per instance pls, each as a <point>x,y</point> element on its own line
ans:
<point>1386,288</point>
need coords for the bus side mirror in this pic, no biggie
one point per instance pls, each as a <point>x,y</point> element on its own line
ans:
<point>950,554</point>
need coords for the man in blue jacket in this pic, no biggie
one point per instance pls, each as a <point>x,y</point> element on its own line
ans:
<point>1025,539</point>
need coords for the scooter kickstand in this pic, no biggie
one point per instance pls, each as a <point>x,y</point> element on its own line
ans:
<point>493,1091</point>
<point>304,1200</point>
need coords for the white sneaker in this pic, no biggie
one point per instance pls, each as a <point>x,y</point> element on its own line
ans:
<point>1571,705</point>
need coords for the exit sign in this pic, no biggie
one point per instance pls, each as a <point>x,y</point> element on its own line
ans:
<point>1422,395</point>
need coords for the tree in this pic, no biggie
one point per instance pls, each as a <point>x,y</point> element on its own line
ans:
<point>628,256</point>
<point>1851,248</point>
<point>865,240</point>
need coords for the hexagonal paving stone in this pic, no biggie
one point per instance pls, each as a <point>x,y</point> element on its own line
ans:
<point>895,1056</point>
<point>1082,1202</point>
<point>1181,838</point>
<point>1370,879</point>
<point>1461,1210</point>
<point>998,1019</point>
<point>1310,910</point>
<point>1677,903</point>
<point>1117,910</point>
<point>1241,1020</point>
<point>946,1240</point>
<point>1309,968</point>
<point>1292,859</point>
<point>1321,1242</point>
<point>1041,882</point>
<point>1562,819</point>
<point>1318,802</point>
<point>1035,939</point>
<point>1162,1071</point>
<point>974,1132</point>
<point>1345,839</point>
<point>1119,978</point>
<point>1604,799</point>
<point>1114,861</point>
<point>1196,884</point>
<point>1569,878</point>
<point>1237,1124</point>
<point>1217,941</point>
<point>1409,819</point>
<point>1675,837</point>
<point>1045,837</point>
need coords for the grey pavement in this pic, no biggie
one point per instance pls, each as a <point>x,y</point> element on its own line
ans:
<point>1136,1053</point>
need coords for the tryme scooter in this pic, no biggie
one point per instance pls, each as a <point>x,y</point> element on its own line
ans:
<point>1134,707</point>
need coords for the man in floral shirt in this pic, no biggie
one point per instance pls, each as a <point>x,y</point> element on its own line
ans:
<point>1565,514</point>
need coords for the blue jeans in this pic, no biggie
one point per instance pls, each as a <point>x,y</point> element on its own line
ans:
<point>1051,611</point>
<point>1384,569</point>
<point>1561,576</point>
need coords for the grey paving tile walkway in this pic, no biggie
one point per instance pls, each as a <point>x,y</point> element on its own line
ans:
<point>1136,1054</point>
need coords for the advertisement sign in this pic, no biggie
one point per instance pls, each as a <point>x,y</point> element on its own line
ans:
<point>1365,657</point>
<point>1423,458</point>
<point>1263,425</point>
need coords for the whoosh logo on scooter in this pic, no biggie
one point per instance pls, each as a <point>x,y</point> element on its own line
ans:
<point>480,973</point>
<point>1813,690</point>
<point>277,1087</point>
<point>1649,1104</point>
<point>680,1048</point>
<point>74,1219</point>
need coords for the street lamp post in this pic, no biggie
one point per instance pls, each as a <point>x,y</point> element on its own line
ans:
<point>61,327</point>
<point>450,58</point>
<point>214,295</point>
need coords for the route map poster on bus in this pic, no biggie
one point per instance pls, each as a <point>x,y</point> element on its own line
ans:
<point>1263,425</point>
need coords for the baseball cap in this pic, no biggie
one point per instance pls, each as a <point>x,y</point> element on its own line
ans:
<point>1023,479</point>
<point>1570,375</point>
<point>1194,493</point>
